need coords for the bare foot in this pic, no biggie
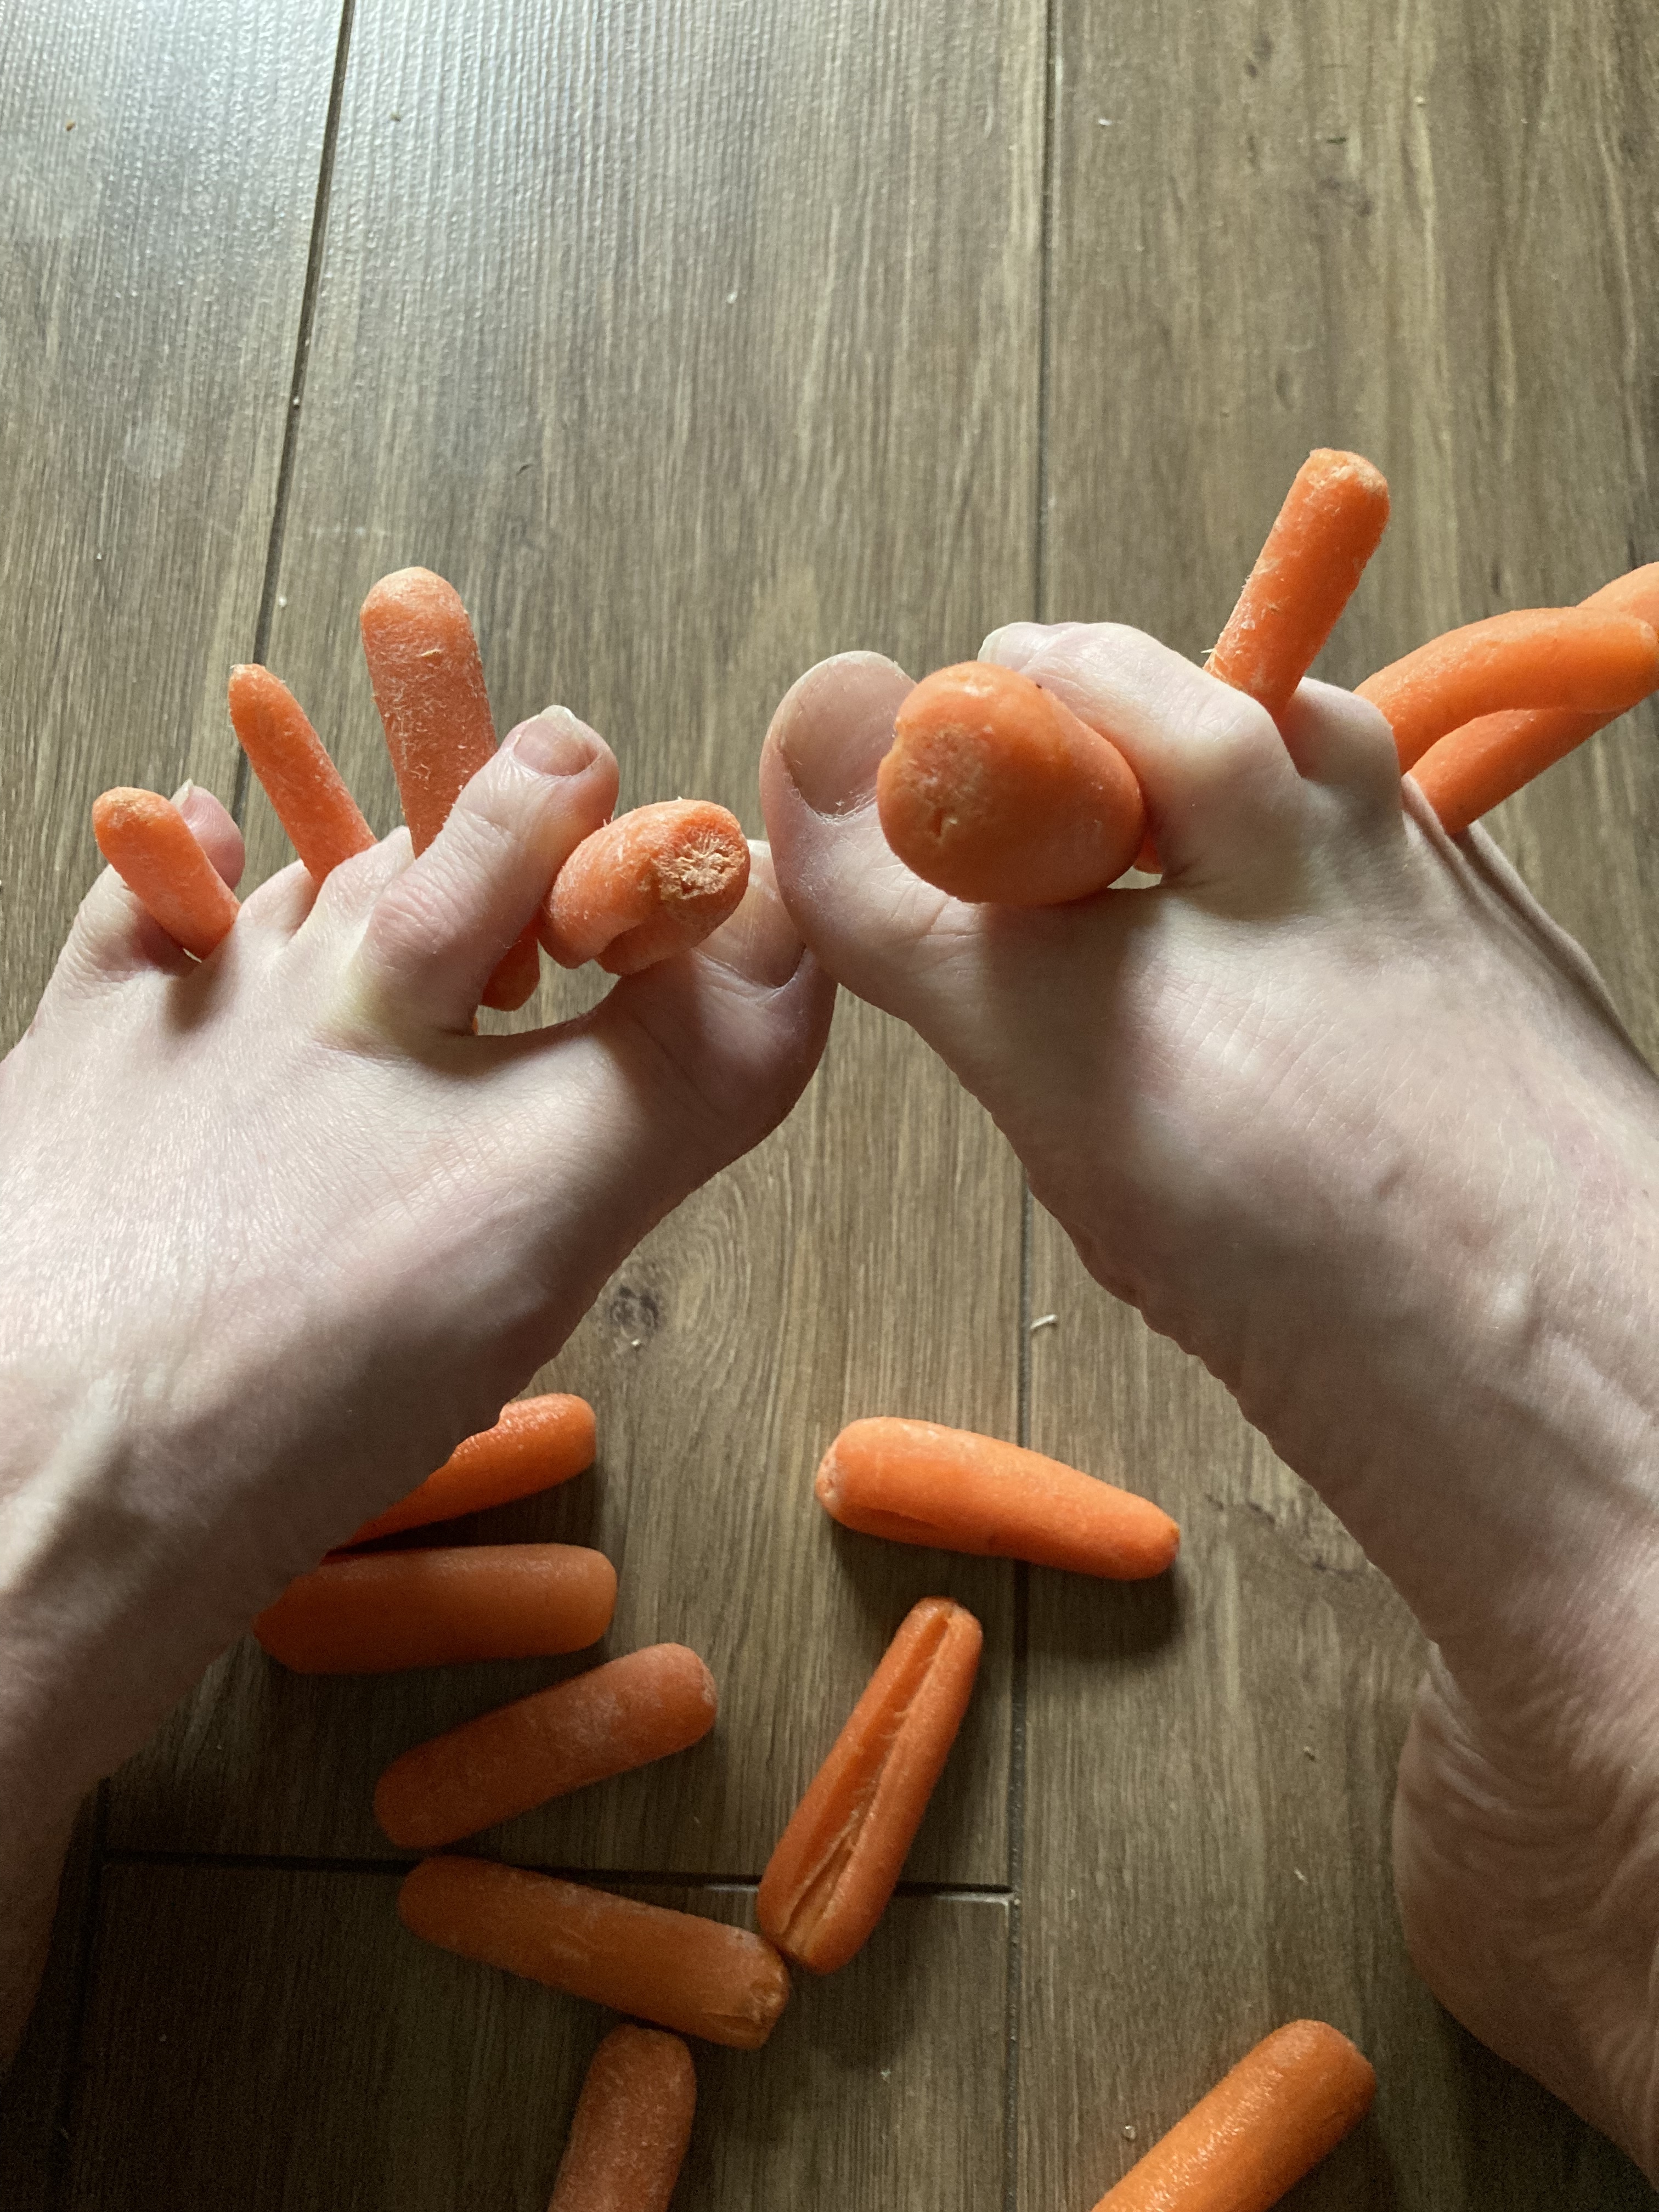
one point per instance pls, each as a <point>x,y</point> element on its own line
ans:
<point>1340,1111</point>
<point>279,1229</point>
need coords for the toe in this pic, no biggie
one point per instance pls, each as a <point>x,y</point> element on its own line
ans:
<point>113,936</point>
<point>438,931</point>
<point>1335,739</point>
<point>1221,790</point>
<point>853,901</point>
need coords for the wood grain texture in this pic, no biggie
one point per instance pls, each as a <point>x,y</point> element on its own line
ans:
<point>653,330</point>
<point>1426,237</point>
<point>34,2092</point>
<point>150,297</point>
<point>157,170</point>
<point>424,2080</point>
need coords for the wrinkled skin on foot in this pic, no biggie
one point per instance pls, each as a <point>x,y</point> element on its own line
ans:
<point>278,1230</point>
<point>1339,1110</point>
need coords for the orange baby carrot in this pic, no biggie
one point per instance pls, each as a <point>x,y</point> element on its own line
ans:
<point>1332,522</point>
<point>148,842</point>
<point>914,1483</point>
<point>537,1443</point>
<point>1286,2105</point>
<point>996,793</point>
<point>632,2125</point>
<point>828,1881</point>
<point>638,1708</point>
<point>1572,657</point>
<point>381,1611</point>
<point>1466,773</point>
<point>428,686</point>
<point>698,1977</point>
<point>652,884</point>
<point>313,804</point>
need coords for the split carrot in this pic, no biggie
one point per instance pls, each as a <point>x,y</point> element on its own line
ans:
<point>632,2125</point>
<point>323,821</point>
<point>148,842</point>
<point>697,1977</point>
<point>1286,2105</point>
<point>1567,657</point>
<point>914,1483</point>
<point>652,884</point>
<point>1332,522</point>
<point>1466,773</point>
<point>537,1443</point>
<point>632,1710</point>
<point>428,685</point>
<point>996,793</point>
<point>379,1612</point>
<point>827,1882</point>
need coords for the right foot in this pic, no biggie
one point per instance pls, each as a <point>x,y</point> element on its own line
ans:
<point>1339,1110</point>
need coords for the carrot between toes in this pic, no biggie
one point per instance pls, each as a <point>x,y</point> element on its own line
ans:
<point>1284,2105</point>
<point>632,2125</point>
<point>150,846</point>
<point>996,793</point>
<point>914,1483</point>
<point>698,1977</point>
<point>641,1707</point>
<point>1331,523</point>
<point>828,1881</point>
<point>537,1443</point>
<point>1578,658</point>
<point>429,684</point>
<point>323,822</point>
<point>652,884</point>
<point>379,1612</point>
<point>1475,768</point>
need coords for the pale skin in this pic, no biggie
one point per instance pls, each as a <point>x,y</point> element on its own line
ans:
<point>279,1231</point>
<point>1335,1106</point>
<point>1340,1111</point>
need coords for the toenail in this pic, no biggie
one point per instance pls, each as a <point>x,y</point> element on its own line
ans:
<point>550,744</point>
<point>833,727</point>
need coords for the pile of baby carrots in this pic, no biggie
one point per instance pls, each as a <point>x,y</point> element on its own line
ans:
<point>634,891</point>
<point>840,1855</point>
<point>995,792</point>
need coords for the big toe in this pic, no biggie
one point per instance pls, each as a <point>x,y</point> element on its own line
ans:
<point>856,904</point>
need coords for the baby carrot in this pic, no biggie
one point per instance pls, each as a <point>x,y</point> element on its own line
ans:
<point>1332,522</point>
<point>828,1881</point>
<point>428,685</point>
<point>1466,773</point>
<point>638,1708</point>
<point>313,804</point>
<point>698,1977</point>
<point>917,1484</point>
<point>652,884</point>
<point>381,1611</point>
<point>148,842</point>
<point>537,1443</point>
<point>1284,2106</point>
<point>1574,657</point>
<point>632,2125</point>
<point>996,793</point>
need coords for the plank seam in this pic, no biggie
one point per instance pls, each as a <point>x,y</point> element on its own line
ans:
<point>639,1878</point>
<point>63,2140</point>
<point>297,379</point>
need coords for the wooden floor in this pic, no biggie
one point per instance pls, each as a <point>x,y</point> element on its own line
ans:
<point>695,339</point>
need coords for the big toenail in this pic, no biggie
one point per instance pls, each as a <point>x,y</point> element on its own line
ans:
<point>550,744</point>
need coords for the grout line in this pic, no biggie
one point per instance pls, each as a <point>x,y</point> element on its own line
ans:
<point>1019,1672</point>
<point>297,379</point>
<point>57,2163</point>
<point>640,1878</point>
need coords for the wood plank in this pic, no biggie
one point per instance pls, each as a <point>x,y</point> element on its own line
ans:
<point>34,2092</point>
<point>651,329</point>
<point>1276,227</point>
<point>158,168</point>
<point>230,2001</point>
<point>157,175</point>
